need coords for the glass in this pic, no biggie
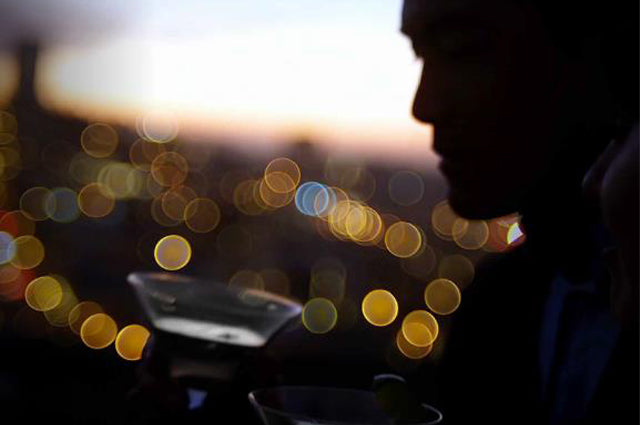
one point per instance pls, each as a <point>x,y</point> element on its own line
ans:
<point>329,406</point>
<point>211,311</point>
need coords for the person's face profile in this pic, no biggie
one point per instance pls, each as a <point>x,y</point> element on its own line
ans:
<point>489,88</point>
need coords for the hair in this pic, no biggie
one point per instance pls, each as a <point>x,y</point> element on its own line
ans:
<point>614,25</point>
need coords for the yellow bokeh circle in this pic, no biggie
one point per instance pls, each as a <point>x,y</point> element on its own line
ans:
<point>169,169</point>
<point>142,153</point>
<point>43,293</point>
<point>420,328</point>
<point>319,315</point>
<point>96,200</point>
<point>59,315</point>
<point>172,252</point>
<point>442,220</point>
<point>33,201</point>
<point>273,175</point>
<point>99,140</point>
<point>81,312</point>
<point>98,331</point>
<point>29,252</point>
<point>409,350</point>
<point>380,307</point>
<point>202,215</point>
<point>442,296</point>
<point>403,239</point>
<point>175,200</point>
<point>130,342</point>
<point>470,234</point>
<point>275,199</point>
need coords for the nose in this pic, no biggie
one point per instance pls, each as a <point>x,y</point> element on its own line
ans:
<point>425,101</point>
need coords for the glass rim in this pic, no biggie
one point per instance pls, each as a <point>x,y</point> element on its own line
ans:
<point>257,405</point>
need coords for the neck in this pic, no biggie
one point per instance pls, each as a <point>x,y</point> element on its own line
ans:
<point>560,226</point>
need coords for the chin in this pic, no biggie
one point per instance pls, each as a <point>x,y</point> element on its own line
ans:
<point>479,204</point>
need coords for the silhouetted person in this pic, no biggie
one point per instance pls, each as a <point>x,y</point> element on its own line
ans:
<point>523,95</point>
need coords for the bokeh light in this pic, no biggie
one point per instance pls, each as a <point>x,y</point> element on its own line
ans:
<point>175,200</point>
<point>380,307</point>
<point>131,341</point>
<point>17,224</point>
<point>157,126</point>
<point>442,220</point>
<point>319,315</point>
<point>409,350</point>
<point>59,315</point>
<point>470,234</point>
<point>13,282</point>
<point>7,248</point>
<point>458,269</point>
<point>338,219</point>
<point>96,200</point>
<point>98,331</point>
<point>62,205</point>
<point>356,220</point>
<point>273,198</point>
<point>81,312</point>
<point>84,169</point>
<point>43,293</point>
<point>99,140</point>
<point>33,201</point>
<point>420,328</point>
<point>373,230</point>
<point>276,170</point>
<point>306,196</point>
<point>442,296</point>
<point>202,215</point>
<point>169,169</point>
<point>172,252</point>
<point>29,252</point>
<point>362,185</point>
<point>406,188</point>
<point>158,214</point>
<point>142,153</point>
<point>122,179</point>
<point>152,189</point>
<point>246,198</point>
<point>403,239</point>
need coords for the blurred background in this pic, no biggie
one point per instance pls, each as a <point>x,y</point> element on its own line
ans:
<point>263,145</point>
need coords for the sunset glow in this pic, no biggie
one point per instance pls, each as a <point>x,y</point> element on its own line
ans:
<point>342,75</point>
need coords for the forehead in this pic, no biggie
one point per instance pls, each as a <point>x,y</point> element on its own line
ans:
<point>419,14</point>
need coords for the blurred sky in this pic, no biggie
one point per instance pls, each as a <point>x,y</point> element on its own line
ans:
<point>337,71</point>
